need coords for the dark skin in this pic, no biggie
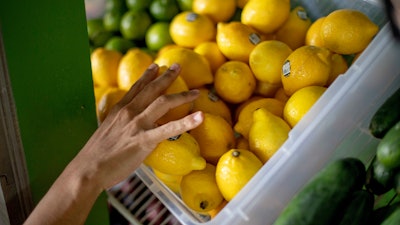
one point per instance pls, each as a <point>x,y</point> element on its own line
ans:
<point>120,144</point>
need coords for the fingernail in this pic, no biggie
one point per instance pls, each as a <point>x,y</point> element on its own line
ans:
<point>174,67</point>
<point>198,116</point>
<point>153,66</point>
<point>194,91</point>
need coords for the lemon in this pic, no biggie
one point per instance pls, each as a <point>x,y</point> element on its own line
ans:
<point>213,213</point>
<point>267,133</point>
<point>132,66</point>
<point>266,16</point>
<point>212,53</point>
<point>241,3</point>
<point>173,182</point>
<point>313,35</point>
<point>339,66</point>
<point>189,29</point>
<point>242,143</point>
<point>281,95</point>
<point>266,89</point>
<point>178,155</point>
<point>215,137</point>
<point>236,40</point>
<point>240,106</point>
<point>234,169</point>
<point>300,102</point>
<point>293,31</point>
<point>234,81</point>
<point>209,102</point>
<point>178,86</point>
<point>266,60</point>
<point>306,66</point>
<point>195,69</point>
<point>347,31</point>
<point>218,11</point>
<point>110,97</point>
<point>199,190</point>
<point>104,65</point>
<point>245,118</point>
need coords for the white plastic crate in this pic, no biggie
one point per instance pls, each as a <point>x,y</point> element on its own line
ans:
<point>336,126</point>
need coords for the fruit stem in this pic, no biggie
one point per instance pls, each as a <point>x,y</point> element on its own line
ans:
<point>235,153</point>
<point>203,204</point>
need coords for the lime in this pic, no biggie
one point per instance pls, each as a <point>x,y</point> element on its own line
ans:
<point>111,20</point>
<point>118,43</point>
<point>115,5</point>
<point>138,5</point>
<point>164,10</point>
<point>158,36</point>
<point>185,5</point>
<point>98,35</point>
<point>134,25</point>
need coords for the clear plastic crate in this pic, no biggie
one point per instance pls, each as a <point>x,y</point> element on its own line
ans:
<point>336,126</point>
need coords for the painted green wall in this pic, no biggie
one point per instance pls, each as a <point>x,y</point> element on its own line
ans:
<point>48,60</point>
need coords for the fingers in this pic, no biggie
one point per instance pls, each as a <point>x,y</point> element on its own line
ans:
<point>176,127</point>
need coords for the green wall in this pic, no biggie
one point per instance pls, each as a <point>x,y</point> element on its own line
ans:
<point>47,55</point>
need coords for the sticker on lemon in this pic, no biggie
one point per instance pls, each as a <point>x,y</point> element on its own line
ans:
<point>235,168</point>
<point>306,66</point>
<point>189,29</point>
<point>104,65</point>
<point>132,66</point>
<point>265,16</point>
<point>195,69</point>
<point>218,11</point>
<point>347,31</point>
<point>234,82</point>
<point>300,103</point>
<point>215,137</point>
<point>177,155</point>
<point>199,190</point>
<point>267,133</point>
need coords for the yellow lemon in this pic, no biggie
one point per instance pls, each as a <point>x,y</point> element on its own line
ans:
<point>209,102</point>
<point>266,89</point>
<point>213,213</point>
<point>195,69</point>
<point>281,95</point>
<point>110,97</point>
<point>178,86</point>
<point>173,182</point>
<point>199,190</point>
<point>132,66</point>
<point>293,31</point>
<point>99,91</point>
<point>104,65</point>
<point>266,60</point>
<point>245,119</point>
<point>313,36</point>
<point>236,40</point>
<point>177,155</point>
<point>242,143</point>
<point>234,81</point>
<point>339,66</point>
<point>215,137</point>
<point>306,66</point>
<point>240,106</point>
<point>266,16</point>
<point>212,53</point>
<point>347,31</point>
<point>218,11</point>
<point>235,168</point>
<point>189,29</point>
<point>300,102</point>
<point>241,3</point>
<point>166,48</point>
<point>267,133</point>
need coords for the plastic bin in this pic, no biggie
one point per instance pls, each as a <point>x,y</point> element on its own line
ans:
<point>336,126</point>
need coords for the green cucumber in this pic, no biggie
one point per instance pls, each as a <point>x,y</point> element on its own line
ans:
<point>393,219</point>
<point>386,116</point>
<point>322,198</point>
<point>380,214</point>
<point>379,178</point>
<point>359,208</point>
<point>388,150</point>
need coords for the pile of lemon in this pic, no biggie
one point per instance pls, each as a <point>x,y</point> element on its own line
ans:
<point>259,66</point>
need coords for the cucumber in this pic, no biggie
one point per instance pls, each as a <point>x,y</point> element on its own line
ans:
<point>386,116</point>
<point>322,198</point>
<point>388,150</point>
<point>380,214</point>
<point>396,182</point>
<point>359,209</point>
<point>379,178</point>
<point>393,219</point>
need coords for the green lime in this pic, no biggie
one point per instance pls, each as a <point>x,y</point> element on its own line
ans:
<point>116,5</point>
<point>158,36</point>
<point>185,5</point>
<point>164,10</point>
<point>118,43</point>
<point>134,25</point>
<point>94,27</point>
<point>112,20</point>
<point>138,5</point>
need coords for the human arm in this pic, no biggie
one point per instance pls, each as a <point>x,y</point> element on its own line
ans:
<point>116,149</point>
